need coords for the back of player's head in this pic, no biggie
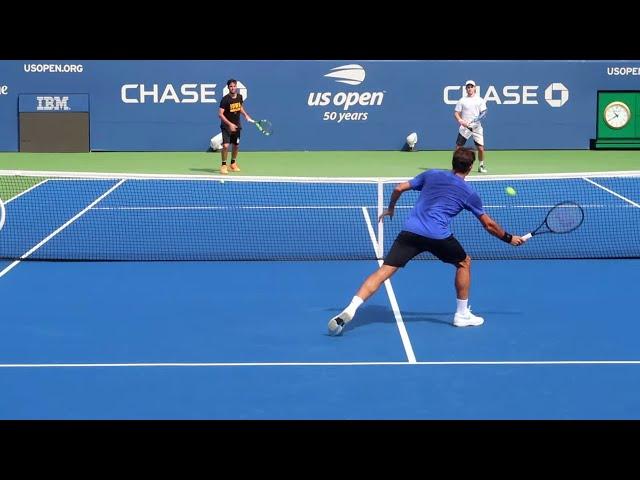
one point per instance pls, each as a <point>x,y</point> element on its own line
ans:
<point>463,159</point>
<point>230,81</point>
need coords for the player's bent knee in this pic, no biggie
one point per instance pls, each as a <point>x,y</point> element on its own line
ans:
<point>466,263</point>
<point>385,271</point>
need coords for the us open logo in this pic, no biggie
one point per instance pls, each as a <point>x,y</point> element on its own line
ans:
<point>351,74</point>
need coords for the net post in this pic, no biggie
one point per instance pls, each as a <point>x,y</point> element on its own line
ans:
<point>380,251</point>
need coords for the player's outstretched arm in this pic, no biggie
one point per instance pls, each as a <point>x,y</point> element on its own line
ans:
<point>497,231</point>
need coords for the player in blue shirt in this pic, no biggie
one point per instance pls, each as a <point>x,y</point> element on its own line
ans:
<point>443,194</point>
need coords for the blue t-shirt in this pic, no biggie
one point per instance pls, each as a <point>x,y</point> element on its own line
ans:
<point>443,195</point>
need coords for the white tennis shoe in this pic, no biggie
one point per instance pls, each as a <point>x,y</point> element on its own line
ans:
<point>337,323</point>
<point>467,319</point>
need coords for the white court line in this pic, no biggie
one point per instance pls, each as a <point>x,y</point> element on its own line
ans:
<point>27,190</point>
<point>320,364</point>
<point>392,297</point>
<point>59,229</point>
<point>240,207</point>
<point>612,192</point>
<point>312,207</point>
<point>367,180</point>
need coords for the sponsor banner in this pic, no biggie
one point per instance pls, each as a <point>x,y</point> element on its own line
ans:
<point>53,103</point>
<point>316,105</point>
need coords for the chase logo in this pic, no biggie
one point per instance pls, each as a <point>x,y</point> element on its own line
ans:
<point>556,94</point>
<point>161,93</point>
<point>349,74</point>
<point>556,90</point>
<point>48,104</point>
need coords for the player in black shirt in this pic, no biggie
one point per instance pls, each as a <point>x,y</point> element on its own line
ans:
<point>229,113</point>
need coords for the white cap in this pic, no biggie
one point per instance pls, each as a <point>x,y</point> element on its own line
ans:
<point>412,139</point>
<point>469,82</point>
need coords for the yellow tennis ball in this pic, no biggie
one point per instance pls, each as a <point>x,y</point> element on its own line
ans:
<point>510,191</point>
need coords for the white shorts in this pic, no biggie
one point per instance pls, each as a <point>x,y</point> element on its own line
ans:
<point>477,133</point>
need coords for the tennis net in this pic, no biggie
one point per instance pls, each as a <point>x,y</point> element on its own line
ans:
<point>123,217</point>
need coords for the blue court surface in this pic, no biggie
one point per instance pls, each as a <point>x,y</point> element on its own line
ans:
<point>248,339</point>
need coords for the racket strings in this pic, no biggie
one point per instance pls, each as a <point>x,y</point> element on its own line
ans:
<point>264,126</point>
<point>564,218</point>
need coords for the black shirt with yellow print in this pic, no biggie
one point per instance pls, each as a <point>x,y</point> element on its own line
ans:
<point>231,109</point>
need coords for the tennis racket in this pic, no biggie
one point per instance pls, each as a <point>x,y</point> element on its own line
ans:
<point>2,214</point>
<point>474,122</point>
<point>263,126</point>
<point>565,217</point>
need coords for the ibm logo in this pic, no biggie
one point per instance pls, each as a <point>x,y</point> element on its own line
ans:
<point>52,103</point>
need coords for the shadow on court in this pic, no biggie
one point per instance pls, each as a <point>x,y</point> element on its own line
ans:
<point>368,314</point>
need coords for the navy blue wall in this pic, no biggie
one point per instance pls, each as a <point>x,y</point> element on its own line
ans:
<point>173,105</point>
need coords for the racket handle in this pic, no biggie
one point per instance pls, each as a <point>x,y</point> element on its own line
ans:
<point>527,237</point>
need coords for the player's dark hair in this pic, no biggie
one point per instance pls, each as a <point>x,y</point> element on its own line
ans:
<point>463,159</point>
<point>230,81</point>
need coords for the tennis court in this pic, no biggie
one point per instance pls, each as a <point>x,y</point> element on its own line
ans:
<point>229,319</point>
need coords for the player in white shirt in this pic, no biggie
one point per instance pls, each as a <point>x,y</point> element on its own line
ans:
<point>467,109</point>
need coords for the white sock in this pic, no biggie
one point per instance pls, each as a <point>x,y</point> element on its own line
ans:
<point>462,305</point>
<point>353,306</point>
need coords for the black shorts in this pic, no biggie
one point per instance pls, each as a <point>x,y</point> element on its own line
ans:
<point>460,141</point>
<point>407,245</point>
<point>230,137</point>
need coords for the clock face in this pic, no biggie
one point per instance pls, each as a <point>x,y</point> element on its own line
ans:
<point>617,114</point>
